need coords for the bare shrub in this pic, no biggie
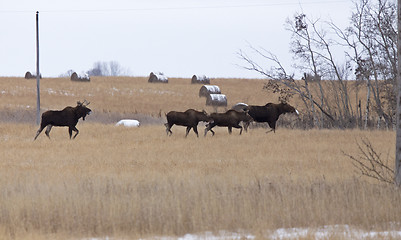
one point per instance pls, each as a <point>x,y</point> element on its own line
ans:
<point>371,164</point>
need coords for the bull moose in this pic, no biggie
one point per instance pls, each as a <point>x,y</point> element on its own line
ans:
<point>68,117</point>
<point>230,119</point>
<point>269,113</point>
<point>190,119</point>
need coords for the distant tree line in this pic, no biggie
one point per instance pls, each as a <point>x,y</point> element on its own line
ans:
<point>100,68</point>
<point>112,68</point>
<point>369,59</point>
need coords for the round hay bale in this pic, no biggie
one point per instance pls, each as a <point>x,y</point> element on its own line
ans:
<point>157,78</point>
<point>206,90</point>
<point>74,76</point>
<point>217,100</point>
<point>240,107</point>
<point>200,79</point>
<point>28,75</point>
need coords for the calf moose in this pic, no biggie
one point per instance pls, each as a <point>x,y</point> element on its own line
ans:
<point>68,117</point>
<point>230,119</point>
<point>190,119</point>
<point>269,113</point>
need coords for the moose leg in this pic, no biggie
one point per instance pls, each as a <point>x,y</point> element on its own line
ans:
<point>195,128</point>
<point>239,126</point>
<point>188,129</point>
<point>73,128</point>
<point>48,129</point>
<point>70,131</point>
<point>39,131</point>
<point>206,129</point>
<point>246,125</point>
<point>270,131</point>
<point>272,126</point>
<point>209,127</point>
<point>168,129</point>
<point>76,130</point>
<point>230,129</point>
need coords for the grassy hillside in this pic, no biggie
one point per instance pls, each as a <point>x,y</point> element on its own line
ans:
<point>125,95</point>
<point>134,95</point>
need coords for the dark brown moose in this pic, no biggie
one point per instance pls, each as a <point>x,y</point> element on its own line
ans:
<point>269,113</point>
<point>230,119</point>
<point>190,119</point>
<point>68,117</point>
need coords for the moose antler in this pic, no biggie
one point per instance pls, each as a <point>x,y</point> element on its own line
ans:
<point>84,103</point>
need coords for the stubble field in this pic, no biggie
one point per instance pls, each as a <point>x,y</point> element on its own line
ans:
<point>128,183</point>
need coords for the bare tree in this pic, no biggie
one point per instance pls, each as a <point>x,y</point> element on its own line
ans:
<point>371,164</point>
<point>99,69</point>
<point>372,38</point>
<point>313,55</point>
<point>369,48</point>
<point>115,68</point>
<point>112,68</point>
<point>278,73</point>
<point>398,124</point>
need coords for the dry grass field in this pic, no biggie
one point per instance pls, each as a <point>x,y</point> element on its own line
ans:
<point>124,95</point>
<point>131,183</point>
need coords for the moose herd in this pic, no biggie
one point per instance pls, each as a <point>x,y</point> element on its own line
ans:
<point>231,119</point>
<point>69,116</point>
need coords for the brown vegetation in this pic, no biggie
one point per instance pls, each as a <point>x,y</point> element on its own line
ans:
<point>137,182</point>
<point>126,95</point>
<point>115,182</point>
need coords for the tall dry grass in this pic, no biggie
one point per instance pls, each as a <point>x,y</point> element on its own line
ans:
<point>137,182</point>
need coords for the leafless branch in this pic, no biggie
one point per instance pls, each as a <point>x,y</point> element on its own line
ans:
<point>370,163</point>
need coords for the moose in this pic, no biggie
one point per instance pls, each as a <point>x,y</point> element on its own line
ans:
<point>230,119</point>
<point>269,113</point>
<point>68,117</point>
<point>190,119</point>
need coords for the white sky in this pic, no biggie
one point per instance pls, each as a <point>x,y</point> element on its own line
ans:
<point>178,37</point>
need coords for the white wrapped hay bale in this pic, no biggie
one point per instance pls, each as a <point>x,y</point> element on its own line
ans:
<point>217,100</point>
<point>157,78</point>
<point>128,123</point>
<point>206,90</point>
<point>201,79</point>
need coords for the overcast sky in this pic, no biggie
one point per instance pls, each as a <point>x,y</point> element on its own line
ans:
<point>178,37</point>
